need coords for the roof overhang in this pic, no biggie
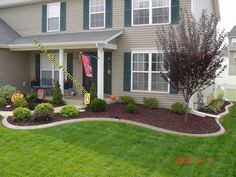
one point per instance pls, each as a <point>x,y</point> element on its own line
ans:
<point>105,43</point>
<point>14,3</point>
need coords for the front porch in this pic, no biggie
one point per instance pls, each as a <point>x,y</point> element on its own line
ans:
<point>67,52</point>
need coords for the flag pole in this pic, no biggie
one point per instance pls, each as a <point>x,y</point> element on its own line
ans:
<point>81,53</point>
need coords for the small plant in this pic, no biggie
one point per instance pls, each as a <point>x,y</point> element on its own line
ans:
<point>7,91</point>
<point>45,106</point>
<point>215,105</point>
<point>42,115</point>
<point>3,102</point>
<point>57,95</point>
<point>126,99</point>
<point>98,105</point>
<point>132,108</point>
<point>15,96</point>
<point>69,111</point>
<point>178,108</point>
<point>20,102</point>
<point>150,103</point>
<point>93,92</point>
<point>32,98</point>
<point>21,114</point>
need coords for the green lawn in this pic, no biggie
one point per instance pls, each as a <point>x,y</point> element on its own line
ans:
<point>105,149</point>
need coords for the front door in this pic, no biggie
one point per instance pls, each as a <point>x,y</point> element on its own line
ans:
<point>87,82</point>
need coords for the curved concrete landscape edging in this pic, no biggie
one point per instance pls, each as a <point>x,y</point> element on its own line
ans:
<point>220,132</point>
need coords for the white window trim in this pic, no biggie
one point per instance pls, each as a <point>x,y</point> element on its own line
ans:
<point>149,52</point>
<point>150,15</point>
<point>90,13</point>
<point>53,68</point>
<point>59,4</point>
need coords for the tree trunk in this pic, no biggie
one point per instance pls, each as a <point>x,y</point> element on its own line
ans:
<point>186,111</point>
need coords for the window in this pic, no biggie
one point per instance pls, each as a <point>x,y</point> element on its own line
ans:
<point>146,72</point>
<point>49,72</point>
<point>97,13</point>
<point>151,12</point>
<point>53,17</point>
<point>233,43</point>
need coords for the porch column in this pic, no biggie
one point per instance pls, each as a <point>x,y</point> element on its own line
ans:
<point>61,74</point>
<point>100,73</point>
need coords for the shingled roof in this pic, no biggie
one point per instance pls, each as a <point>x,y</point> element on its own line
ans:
<point>7,34</point>
<point>233,32</point>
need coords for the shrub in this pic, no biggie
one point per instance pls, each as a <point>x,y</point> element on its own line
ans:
<point>93,92</point>
<point>3,102</point>
<point>42,115</point>
<point>69,111</point>
<point>45,106</point>
<point>132,108</point>
<point>57,97</point>
<point>7,91</point>
<point>32,98</point>
<point>215,105</point>
<point>178,108</point>
<point>20,102</point>
<point>98,105</point>
<point>21,114</point>
<point>150,102</point>
<point>126,99</point>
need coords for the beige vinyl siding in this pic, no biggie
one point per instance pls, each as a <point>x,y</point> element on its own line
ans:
<point>14,69</point>
<point>26,20</point>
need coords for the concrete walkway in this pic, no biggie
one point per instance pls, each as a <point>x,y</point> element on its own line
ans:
<point>8,125</point>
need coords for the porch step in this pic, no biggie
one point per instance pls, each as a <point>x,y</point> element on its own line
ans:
<point>76,101</point>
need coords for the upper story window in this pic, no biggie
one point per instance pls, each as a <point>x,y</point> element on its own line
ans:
<point>233,43</point>
<point>53,17</point>
<point>97,13</point>
<point>150,12</point>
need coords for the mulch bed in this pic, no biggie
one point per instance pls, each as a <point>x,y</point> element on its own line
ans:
<point>162,118</point>
<point>31,105</point>
<point>222,109</point>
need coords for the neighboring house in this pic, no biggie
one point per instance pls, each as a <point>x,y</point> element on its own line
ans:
<point>232,52</point>
<point>122,33</point>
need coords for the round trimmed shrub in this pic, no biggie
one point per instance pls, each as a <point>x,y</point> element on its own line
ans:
<point>3,102</point>
<point>178,108</point>
<point>44,106</point>
<point>69,111</point>
<point>42,115</point>
<point>21,114</point>
<point>98,105</point>
<point>132,108</point>
<point>7,91</point>
<point>20,102</point>
<point>32,98</point>
<point>126,99</point>
<point>150,103</point>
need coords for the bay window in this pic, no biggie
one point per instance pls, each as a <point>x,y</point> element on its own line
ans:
<point>97,13</point>
<point>146,72</point>
<point>151,12</point>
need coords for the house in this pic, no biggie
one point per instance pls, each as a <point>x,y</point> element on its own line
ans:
<point>232,51</point>
<point>120,33</point>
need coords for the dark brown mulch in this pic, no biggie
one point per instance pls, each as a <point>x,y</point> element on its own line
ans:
<point>222,109</point>
<point>162,118</point>
<point>31,105</point>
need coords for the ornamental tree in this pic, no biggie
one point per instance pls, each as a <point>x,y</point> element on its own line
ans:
<point>191,53</point>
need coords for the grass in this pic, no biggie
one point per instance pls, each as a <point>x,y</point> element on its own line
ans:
<point>106,149</point>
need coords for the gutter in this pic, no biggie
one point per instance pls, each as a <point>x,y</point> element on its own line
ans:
<point>21,3</point>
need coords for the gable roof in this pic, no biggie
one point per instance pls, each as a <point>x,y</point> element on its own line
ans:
<point>7,34</point>
<point>232,32</point>
<point>14,3</point>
